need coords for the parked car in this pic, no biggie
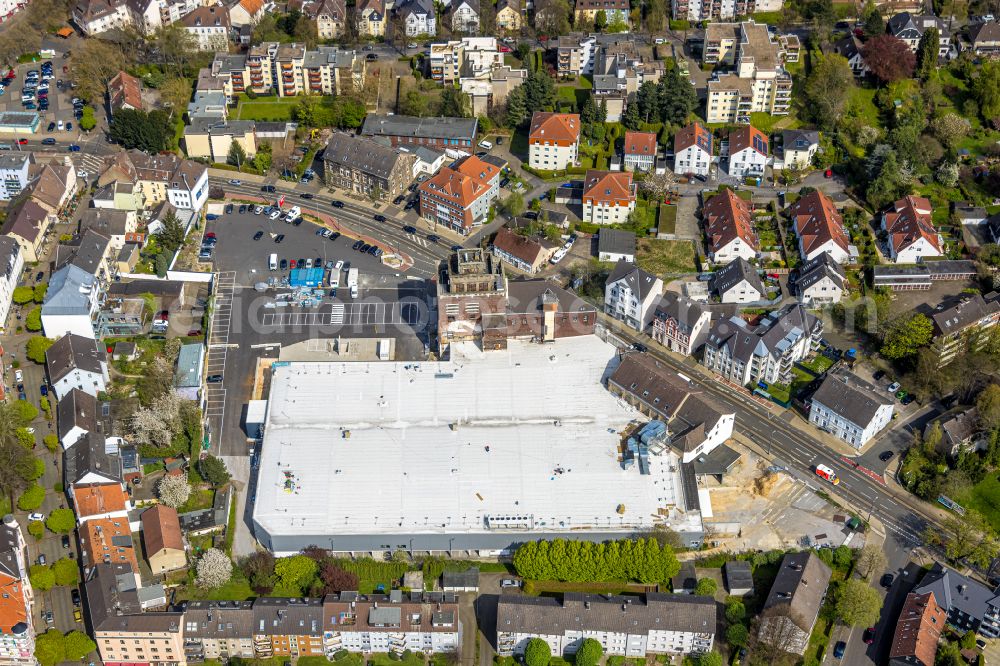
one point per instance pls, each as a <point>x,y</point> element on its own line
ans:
<point>257,236</point>
<point>885,456</point>
<point>893,387</point>
<point>878,375</point>
<point>41,558</point>
<point>36,516</point>
<point>235,181</point>
<point>839,649</point>
<point>44,390</point>
<point>283,265</point>
<point>214,379</point>
<point>886,581</point>
<point>398,200</point>
<point>279,238</point>
<point>75,595</point>
<point>65,541</point>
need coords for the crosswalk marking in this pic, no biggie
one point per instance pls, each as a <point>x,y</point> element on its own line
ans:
<point>337,314</point>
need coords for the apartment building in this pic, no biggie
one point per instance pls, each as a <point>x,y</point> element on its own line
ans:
<point>793,604</point>
<point>758,81</point>
<point>209,27</point>
<point>287,627</point>
<point>820,228</point>
<point>455,200</point>
<point>765,352</point>
<point>971,606</point>
<point>456,134</point>
<point>822,281</point>
<point>615,11</point>
<point>624,626</point>
<point>492,87</point>
<point>850,409</point>
<point>17,599</point>
<point>747,152</point>
<point>737,282</point>
<point>964,326</point>
<point>631,294</point>
<point>159,178</point>
<point>509,17</point>
<point>93,17</point>
<point>918,630</point>
<point>639,152</point>
<point>287,70</point>
<point>469,57</point>
<point>371,18</point>
<point>14,173</point>
<point>11,266</point>
<point>93,479</point>
<point>912,236</point>
<point>575,54</point>
<point>76,361</point>
<point>212,139</point>
<point>366,167</point>
<point>680,324</point>
<point>619,70</point>
<point>910,28</point>
<point>985,38</point>
<point>728,220</point>
<point>330,16</point>
<point>472,297</point>
<point>608,197</point>
<point>693,150</point>
<point>218,630</point>
<point>424,622</point>
<point>715,10</point>
<point>553,140</point>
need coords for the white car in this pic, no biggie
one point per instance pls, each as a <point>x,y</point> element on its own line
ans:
<point>82,175</point>
<point>59,125</point>
<point>36,516</point>
<point>19,376</point>
<point>257,210</point>
<point>338,266</point>
<point>234,181</point>
<point>327,233</point>
<point>275,214</point>
<point>893,387</point>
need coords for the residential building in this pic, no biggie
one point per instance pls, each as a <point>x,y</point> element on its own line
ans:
<point>765,352</point>
<point>418,17</point>
<point>655,623</point>
<point>493,88</point>
<point>458,134</point>
<point>619,69</point>
<point>971,606</point>
<point>508,16</point>
<point>15,170</point>
<point>90,252</point>
<point>542,311</point>
<point>608,197</point>
<point>107,541</point>
<point>26,223</point>
<point>631,294</point>
<point>471,297</point>
<point>693,150</point>
<point>799,148</point>
<point>163,177</point>
<point>209,27</point>
<point>75,361</point>
<point>553,140</point>
<point>821,281</point>
<point>71,300</point>
<point>210,519</point>
<point>575,54</point>
<point>910,28</point>
<point>11,266</point>
<point>118,195</point>
<point>93,17</point>
<point>332,71</point>
<point>287,627</point>
<point>456,200</point>
<point>330,16</point>
<point>525,253</point>
<point>466,58</point>
<point>960,431</point>
<point>54,186</point>
<point>737,282</point>
<point>820,228</point>
<point>145,16</point>
<point>114,225</point>
<point>850,409</point>
<point>425,622</point>
<point>162,539</point>
<point>371,17</point>
<point>8,8</point>
<point>124,92</point>
<point>739,577</point>
<point>985,38</point>
<point>465,16</point>
<point>213,139</point>
<point>616,245</point>
<point>76,416</point>
<point>728,220</point>
<point>366,167</point>
<point>747,152</point>
<point>17,599</point>
<point>246,12</point>
<point>912,236</point>
<point>850,48</point>
<point>680,324</point>
<point>615,11</point>
<point>93,478</point>
<point>964,326</point>
<point>705,10</point>
<point>218,630</point>
<point>793,604</point>
<point>758,83</point>
<point>189,371</point>
<point>918,630</point>
<point>639,152</point>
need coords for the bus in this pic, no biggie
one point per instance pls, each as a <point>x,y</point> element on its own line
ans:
<point>824,472</point>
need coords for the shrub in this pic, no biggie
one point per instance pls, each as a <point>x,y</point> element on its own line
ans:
<point>32,498</point>
<point>36,529</point>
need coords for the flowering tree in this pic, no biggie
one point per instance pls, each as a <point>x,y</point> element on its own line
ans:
<point>214,569</point>
<point>173,491</point>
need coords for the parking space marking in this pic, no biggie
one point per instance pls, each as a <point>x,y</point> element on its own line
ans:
<point>215,395</point>
<point>337,314</point>
<point>350,314</point>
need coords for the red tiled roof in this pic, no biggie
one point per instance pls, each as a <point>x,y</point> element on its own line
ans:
<point>97,500</point>
<point>476,168</point>
<point>640,143</point>
<point>252,6</point>
<point>516,245</point>
<point>455,187</point>
<point>908,221</point>
<point>125,89</point>
<point>747,137</point>
<point>918,629</point>
<point>161,529</point>
<point>727,217</point>
<point>693,134</point>
<point>602,187</point>
<point>108,540</point>
<point>817,221</point>
<point>12,608</point>
<point>555,126</point>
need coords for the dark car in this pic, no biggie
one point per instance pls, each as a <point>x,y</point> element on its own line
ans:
<point>357,245</point>
<point>409,205</point>
<point>229,208</point>
<point>22,396</point>
<point>214,379</point>
<point>337,204</point>
<point>243,209</point>
<point>505,182</point>
<point>907,399</point>
<point>297,221</point>
<point>869,636</point>
<point>308,195</point>
<point>886,581</point>
<point>51,128</point>
<point>839,649</point>
<point>885,456</point>
<point>279,238</point>
<point>75,595</point>
<point>531,215</point>
<point>48,142</point>
<point>878,375</point>
<point>318,262</point>
<point>371,57</point>
<point>365,247</point>
<point>65,541</point>
<point>258,235</point>
<point>335,235</point>
<point>284,264</point>
<point>39,275</point>
<point>398,200</point>
<point>410,229</point>
<point>434,238</point>
<point>44,390</point>
<point>456,248</point>
<point>639,347</point>
<point>499,141</point>
<point>267,188</point>
<point>378,218</point>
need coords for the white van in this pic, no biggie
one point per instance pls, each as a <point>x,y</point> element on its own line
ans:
<point>272,262</point>
<point>485,145</point>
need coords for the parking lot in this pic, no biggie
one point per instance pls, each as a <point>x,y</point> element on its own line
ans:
<point>60,107</point>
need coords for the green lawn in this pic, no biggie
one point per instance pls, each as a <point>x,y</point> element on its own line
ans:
<point>861,105</point>
<point>984,497</point>
<point>819,364</point>
<point>199,499</point>
<point>548,587</point>
<point>665,257</point>
<point>382,659</point>
<point>266,108</point>
<point>666,221</point>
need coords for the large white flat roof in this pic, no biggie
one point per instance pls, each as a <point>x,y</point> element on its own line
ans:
<point>551,427</point>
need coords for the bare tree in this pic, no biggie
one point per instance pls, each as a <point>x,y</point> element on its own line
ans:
<point>773,635</point>
<point>870,560</point>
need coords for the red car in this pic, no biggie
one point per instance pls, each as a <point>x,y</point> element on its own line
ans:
<point>22,142</point>
<point>505,49</point>
<point>869,636</point>
<point>210,234</point>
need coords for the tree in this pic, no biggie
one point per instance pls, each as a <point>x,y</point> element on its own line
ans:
<point>304,112</point>
<point>237,156</point>
<point>736,611</point>
<point>36,528</point>
<point>858,604</point>
<point>887,181</point>
<point>453,104</point>
<point>335,579</point>
<point>706,587</point>
<point>950,129</point>
<point>988,406</point>
<point>24,411</point>
<point>737,635</point>
<point>631,119</point>
<point>258,568</point>
<point>171,235</point>
<point>66,572</point>
<point>176,93</point>
<point>50,648</point>
<point>517,109</point>
<point>33,322</point>
<point>537,653</point>
<point>827,89</point>
<point>888,58</point>
<point>414,103</point>
<point>61,521</point>
<point>589,653</point>
<point>32,498</point>
<point>78,645</point>
<point>150,131</point>
<point>907,335</point>
<point>23,295</point>
<point>262,160</point>
<point>552,17</point>
<point>600,20</point>
<point>92,65</point>
<point>41,577</point>
<point>986,90</point>
<point>39,291</point>
<point>969,537</point>
<point>513,205</point>
<point>927,53</point>
<point>214,569</point>
<point>676,97</point>
<point>213,470</point>
<point>870,559</point>
<point>173,491</point>
<point>296,572</point>
<point>710,659</point>
<point>874,24</point>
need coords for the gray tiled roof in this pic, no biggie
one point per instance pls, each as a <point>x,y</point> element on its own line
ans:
<point>77,409</point>
<point>218,619</point>
<point>964,314</point>
<point>292,617</point>
<point>816,269</point>
<point>68,291</point>
<point>87,456</point>
<point>72,352</point>
<point>639,281</point>
<point>361,153</point>
<point>953,591</point>
<point>850,398</point>
<point>467,578</point>
<point>87,253</point>
<point>680,309</point>
<point>733,274</point>
<point>411,126</point>
<point>528,295</point>
<point>799,588</point>
<point>616,241</point>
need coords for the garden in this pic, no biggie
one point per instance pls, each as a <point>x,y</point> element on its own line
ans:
<point>666,257</point>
